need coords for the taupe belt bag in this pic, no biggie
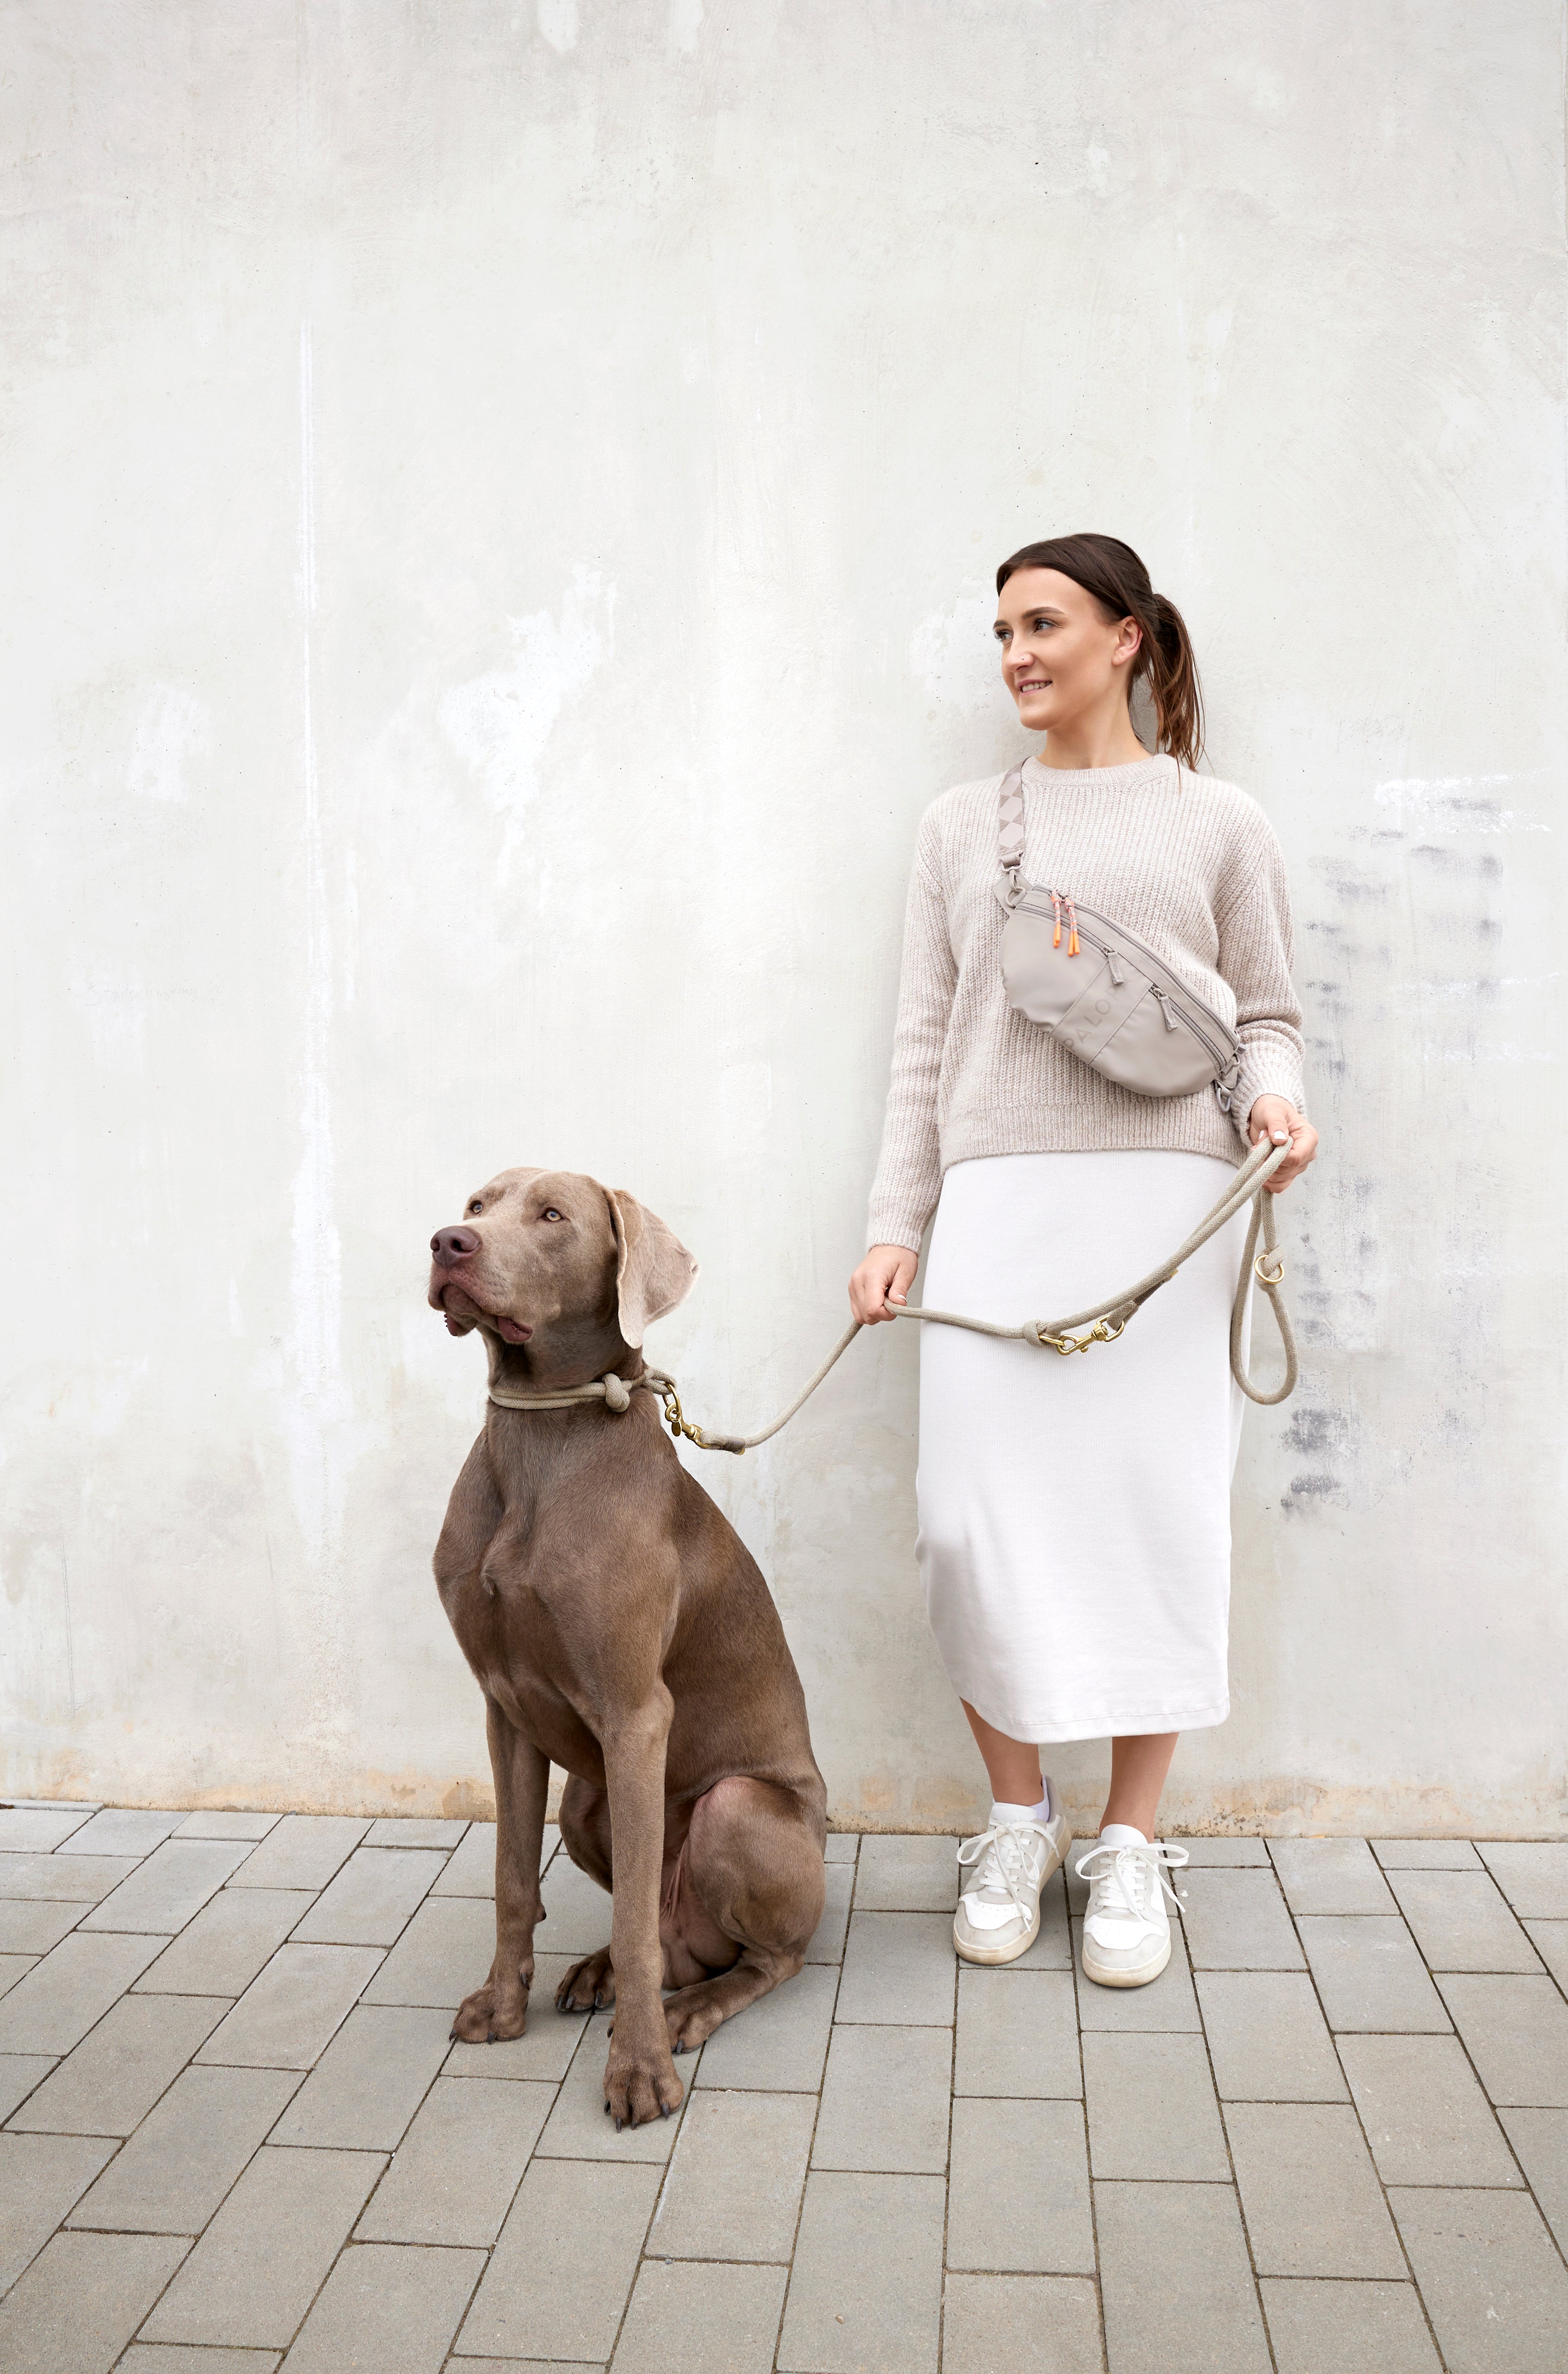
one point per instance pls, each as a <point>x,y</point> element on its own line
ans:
<point>1102,993</point>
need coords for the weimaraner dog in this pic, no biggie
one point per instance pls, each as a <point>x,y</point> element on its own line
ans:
<point>617,1624</point>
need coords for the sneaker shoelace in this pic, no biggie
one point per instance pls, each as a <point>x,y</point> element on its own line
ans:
<point>1122,1877</point>
<point>1006,1861</point>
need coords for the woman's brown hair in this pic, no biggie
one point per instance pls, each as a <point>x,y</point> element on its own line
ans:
<point>1111,573</point>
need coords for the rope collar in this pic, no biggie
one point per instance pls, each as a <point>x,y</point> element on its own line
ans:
<point>614,1391</point>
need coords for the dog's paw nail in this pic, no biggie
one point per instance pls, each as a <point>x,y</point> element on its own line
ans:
<point>607,2112</point>
<point>618,2126</point>
<point>663,2109</point>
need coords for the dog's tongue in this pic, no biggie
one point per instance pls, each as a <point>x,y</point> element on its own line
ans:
<point>513,1331</point>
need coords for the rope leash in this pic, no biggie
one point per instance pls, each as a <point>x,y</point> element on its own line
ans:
<point>1102,1322</point>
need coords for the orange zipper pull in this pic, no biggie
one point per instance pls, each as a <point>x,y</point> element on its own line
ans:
<point>1072,929</point>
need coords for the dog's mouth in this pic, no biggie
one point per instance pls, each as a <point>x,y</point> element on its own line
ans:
<point>461,1311</point>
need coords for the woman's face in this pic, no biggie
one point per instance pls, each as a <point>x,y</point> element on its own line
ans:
<point>1061,657</point>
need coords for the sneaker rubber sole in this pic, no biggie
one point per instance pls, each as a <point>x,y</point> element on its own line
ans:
<point>1106,1975</point>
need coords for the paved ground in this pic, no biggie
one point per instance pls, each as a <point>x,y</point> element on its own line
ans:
<point>236,2134</point>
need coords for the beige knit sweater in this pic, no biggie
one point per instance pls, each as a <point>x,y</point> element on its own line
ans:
<point>1189,863</point>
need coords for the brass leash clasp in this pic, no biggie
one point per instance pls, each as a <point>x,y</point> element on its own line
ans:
<point>1100,1333</point>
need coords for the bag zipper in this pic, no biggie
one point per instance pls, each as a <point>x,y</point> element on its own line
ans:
<point>1188,996</point>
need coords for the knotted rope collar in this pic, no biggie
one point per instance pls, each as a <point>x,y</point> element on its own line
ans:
<point>1102,1322</point>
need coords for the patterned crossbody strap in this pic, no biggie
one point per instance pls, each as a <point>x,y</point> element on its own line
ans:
<point>1009,836</point>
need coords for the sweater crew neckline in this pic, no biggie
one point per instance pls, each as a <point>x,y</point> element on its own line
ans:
<point>1099,778</point>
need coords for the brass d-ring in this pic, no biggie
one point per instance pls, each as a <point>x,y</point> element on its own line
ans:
<point>1269,1278</point>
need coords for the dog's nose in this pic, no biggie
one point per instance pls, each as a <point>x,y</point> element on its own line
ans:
<point>453,1244</point>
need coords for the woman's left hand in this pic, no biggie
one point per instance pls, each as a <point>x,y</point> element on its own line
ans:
<point>1278,1121</point>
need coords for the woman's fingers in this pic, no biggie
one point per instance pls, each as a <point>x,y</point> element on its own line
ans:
<point>884,1275</point>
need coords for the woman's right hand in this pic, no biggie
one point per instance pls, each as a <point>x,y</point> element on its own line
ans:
<point>885,1276</point>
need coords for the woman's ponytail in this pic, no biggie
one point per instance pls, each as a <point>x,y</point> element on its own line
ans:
<point>1112,572</point>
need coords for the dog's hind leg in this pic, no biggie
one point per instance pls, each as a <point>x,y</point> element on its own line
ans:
<point>754,1865</point>
<point>500,2008</point>
<point>589,1985</point>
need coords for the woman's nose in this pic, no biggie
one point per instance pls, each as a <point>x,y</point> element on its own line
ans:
<point>450,1245</point>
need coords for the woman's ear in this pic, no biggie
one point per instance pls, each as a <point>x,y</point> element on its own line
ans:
<point>653,1269</point>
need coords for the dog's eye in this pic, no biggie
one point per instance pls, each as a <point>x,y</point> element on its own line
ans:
<point>475,1206</point>
<point>551,1214</point>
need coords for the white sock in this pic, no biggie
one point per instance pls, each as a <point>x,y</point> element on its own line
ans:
<point>1121,1833</point>
<point>1003,1811</point>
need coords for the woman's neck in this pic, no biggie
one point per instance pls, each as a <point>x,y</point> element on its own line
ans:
<point>1096,742</point>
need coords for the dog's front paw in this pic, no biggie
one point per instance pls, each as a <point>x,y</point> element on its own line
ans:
<point>487,2017</point>
<point>589,1985</point>
<point>639,2084</point>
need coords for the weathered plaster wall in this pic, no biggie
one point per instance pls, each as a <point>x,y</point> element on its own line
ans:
<point>499,503</point>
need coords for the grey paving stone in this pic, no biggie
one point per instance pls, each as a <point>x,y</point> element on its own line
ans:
<point>544,2049</point>
<point>1515,2029</point>
<point>899,1968</point>
<point>1426,1854</point>
<point>394,2310</point>
<point>1204,2299</point>
<point>63,1879</point>
<point>1329,2327</point>
<point>287,2016</point>
<point>1267,2039</point>
<point>163,1893</point>
<point>228,1826</point>
<point>1550,1939</point>
<point>78,2304</point>
<point>578,2128</point>
<point>40,2178</point>
<point>827,1945</point>
<point>1533,1878</point>
<point>907,1875</point>
<point>1168,2002</point>
<point>559,2275</point>
<point>1494,2286</point>
<point>445,1953</point>
<point>1330,1875</point>
<point>993,2324</point>
<point>778,2044</point>
<point>187,2152</point>
<point>121,1831</point>
<point>116,2073</point>
<point>1017,2189</point>
<point>1237,1921</point>
<point>1313,2204</point>
<point>19,2073</point>
<point>233,1937</point>
<point>522,2365</point>
<point>256,2269</point>
<point>1425,2116</point>
<point>373,1899</point>
<point>577,1909</point>
<point>39,1829</point>
<point>405,1831</point>
<point>1227,1851</point>
<point>1461,1923</point>
<point>843,1846</point>
<point>370,2081</point>
<point>303,1851</point>
<point>1151,2109</point>
<point>470,1869</point>
<point>151,2357</point>
<point>13,1967</point>
<point>52,2009</point>
<point>866,2289</point>
<point>1540,2140</point>
<point>1371,1977</point>
<point>459,2165</point>
<point>706,2320</point>
<point>34,1928</point>
<point>885,2100</point>
<point>1016,2034</point>
<point>736,2179</point>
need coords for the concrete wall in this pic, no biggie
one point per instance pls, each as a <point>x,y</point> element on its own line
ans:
<point>502,501</point>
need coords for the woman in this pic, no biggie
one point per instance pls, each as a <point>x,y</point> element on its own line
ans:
<point>1074,1514</point>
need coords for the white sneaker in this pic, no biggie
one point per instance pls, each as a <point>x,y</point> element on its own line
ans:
<point>998,1914</point>
<point>1126,1931</point>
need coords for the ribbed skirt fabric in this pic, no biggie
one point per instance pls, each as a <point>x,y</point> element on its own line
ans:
<point>1075,1513</point>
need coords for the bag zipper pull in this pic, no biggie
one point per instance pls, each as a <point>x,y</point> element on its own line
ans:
<point>1056,912</point>
<point>1165,1008</point>
<point>1116,974</point>
<point>1072,929</point>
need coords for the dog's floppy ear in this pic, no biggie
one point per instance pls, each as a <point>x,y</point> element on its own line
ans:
<point>653,1269</point>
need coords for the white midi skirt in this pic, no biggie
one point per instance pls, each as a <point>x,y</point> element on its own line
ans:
<point>1075,1513</point>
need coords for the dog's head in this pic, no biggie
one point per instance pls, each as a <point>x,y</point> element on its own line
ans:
<point>552,1260</point>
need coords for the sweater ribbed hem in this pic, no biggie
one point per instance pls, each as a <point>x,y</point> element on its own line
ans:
<point>1127,1125</point>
